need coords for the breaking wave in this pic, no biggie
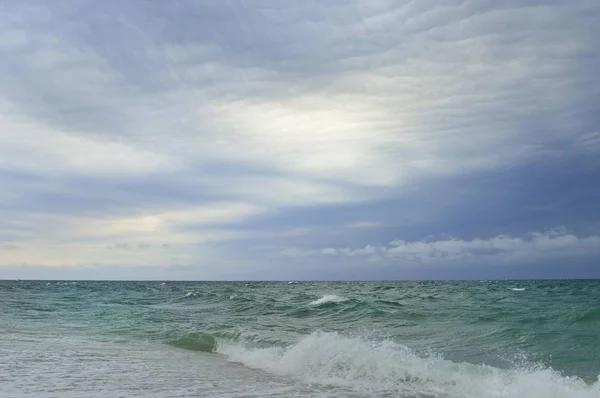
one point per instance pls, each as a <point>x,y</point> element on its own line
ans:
<point>329,298</point>
<point>383,366</point>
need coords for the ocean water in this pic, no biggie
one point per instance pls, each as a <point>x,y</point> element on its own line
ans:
<point>307,339</point>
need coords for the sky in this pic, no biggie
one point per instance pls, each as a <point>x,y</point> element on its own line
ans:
<point>203,140</point>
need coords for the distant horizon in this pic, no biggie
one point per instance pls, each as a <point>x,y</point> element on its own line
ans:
<point>302,280</point>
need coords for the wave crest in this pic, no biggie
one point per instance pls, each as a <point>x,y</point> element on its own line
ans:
<point>328,298</point>
<point>358,363</point>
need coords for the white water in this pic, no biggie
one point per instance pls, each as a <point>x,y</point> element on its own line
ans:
<point>319,365</point>
<point>384,367</point>
<point>70,367</point>
<point>329,298</point>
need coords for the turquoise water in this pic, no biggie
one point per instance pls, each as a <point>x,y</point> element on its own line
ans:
<point>305,339</point>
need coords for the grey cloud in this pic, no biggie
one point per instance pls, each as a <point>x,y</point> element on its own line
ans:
<point>540,244</point>
<point>140,246</point>
<point>490,52</point>
<point>113,109</point>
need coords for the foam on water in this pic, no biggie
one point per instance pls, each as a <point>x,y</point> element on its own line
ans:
<point>384,366</point>
<point>329,298</point>
<point>517,289</point>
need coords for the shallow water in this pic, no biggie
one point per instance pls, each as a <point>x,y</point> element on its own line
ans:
<point>307,339</point>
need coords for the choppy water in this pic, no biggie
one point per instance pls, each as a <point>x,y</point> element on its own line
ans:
<point>307,339</point>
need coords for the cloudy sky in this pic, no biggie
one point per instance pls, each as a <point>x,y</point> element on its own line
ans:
<point>299,140</point>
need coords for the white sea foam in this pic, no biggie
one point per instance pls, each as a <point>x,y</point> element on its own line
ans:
<point>329,298</point>
<point>385,367</point>
<point>517,289</point>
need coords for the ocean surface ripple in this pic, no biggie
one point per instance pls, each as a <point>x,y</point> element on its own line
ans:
<point>305,339</point>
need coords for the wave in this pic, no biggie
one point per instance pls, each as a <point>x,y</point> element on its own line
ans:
<point>592,315</point>
<point>329,298</point>
<point>196,342</point>
<point>389,303</point>
<point>516,289</point>
<point>365,365</point>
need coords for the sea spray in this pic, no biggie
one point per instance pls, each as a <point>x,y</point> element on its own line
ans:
<point>363,364</point>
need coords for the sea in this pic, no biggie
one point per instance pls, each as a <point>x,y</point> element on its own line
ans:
<point>475,339</point>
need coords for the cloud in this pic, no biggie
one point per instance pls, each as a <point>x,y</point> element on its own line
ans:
<point>70,240</point>
<point>31,146</point>
<point>365,224</point>
<point>157,225</point>
<point>446,88</point>
<point>200,123</point>
<point>535,245</point>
